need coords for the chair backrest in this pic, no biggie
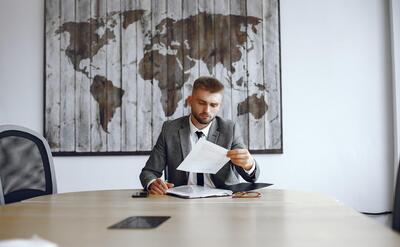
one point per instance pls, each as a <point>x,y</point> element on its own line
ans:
<point>26,165</point>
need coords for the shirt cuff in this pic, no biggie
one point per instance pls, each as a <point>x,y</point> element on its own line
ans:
<point>253,167</point>
<point>151,181</point>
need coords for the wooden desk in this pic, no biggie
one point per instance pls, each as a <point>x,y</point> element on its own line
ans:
<point>278,218</point>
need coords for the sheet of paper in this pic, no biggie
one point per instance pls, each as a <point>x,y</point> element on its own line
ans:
<point>205,157</point>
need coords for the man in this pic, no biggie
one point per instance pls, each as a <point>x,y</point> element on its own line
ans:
<point>179,135</point>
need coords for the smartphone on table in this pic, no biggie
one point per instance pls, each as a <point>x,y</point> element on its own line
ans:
<point>140,193</point>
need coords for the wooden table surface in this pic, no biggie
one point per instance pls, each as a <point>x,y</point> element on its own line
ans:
<point>278,218</point>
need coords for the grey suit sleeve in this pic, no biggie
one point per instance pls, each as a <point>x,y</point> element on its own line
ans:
<point>156,162</point>
<point>239,143</point>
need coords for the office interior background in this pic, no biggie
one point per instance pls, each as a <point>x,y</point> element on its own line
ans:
<point>339,135</point>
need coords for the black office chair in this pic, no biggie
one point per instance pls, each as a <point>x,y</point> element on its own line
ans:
<point>26,165</point>
<point>396,207</point>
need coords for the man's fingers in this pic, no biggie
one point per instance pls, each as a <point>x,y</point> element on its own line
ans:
<point>157,187</point>
<point>238,156</point>
<point>239,160</point>
<point>162,184</point>
<point>237,151</point>
<point>158,190</point>
<point>153,192</point>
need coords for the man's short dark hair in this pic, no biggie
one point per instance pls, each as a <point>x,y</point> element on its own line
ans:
<point>208,83</point>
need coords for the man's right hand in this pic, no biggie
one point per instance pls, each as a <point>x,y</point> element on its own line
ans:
<point>158,187</point>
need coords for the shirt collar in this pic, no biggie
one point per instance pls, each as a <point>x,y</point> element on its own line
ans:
<point>193,128</point>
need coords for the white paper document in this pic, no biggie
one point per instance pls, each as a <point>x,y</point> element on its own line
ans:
<point>35,241</point>
<point>205,157</point>
<point>196,191</point>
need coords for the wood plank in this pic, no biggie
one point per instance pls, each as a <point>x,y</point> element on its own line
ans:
<point>52,112</point>
<point>129,81</point>
<point>273,131</point>
<point>256,105</point>
<point>159,73</point>
<point>98,68</point>
<point>175,60</point>
<point>82,80</point>
<point>144,87</point>
<point>206,38</point>
<point>191,48</point>
<point>115,93</point>
<point>67,48</point>
<point>239,65</point>
<point>223,55</point>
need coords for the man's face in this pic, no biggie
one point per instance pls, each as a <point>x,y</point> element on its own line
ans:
<point>205,105</point>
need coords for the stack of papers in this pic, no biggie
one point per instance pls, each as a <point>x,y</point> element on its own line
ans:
<point>195,191</point>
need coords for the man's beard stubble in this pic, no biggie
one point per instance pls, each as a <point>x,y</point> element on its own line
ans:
<point>202,121</point>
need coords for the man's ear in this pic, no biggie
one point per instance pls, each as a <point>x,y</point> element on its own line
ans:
<point>189,100</point>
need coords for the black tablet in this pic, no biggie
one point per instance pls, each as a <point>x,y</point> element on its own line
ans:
<point>140,222</point>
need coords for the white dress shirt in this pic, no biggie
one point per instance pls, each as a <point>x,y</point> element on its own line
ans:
<point>193,139</point>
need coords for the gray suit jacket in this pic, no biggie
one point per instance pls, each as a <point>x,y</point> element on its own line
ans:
<point>173,145</point>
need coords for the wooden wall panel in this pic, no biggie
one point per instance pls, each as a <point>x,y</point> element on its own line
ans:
<point>191,48</point>
<point>82,80</point>
<point>98,65</point>
<point>129,79</point>
<point>272,73</point>
<point>144,87</point>
<point>53,54</point>
<point>175,59</point>
<point>206,33</point>
<point>67,77</point>
<point>239,66</point>
<point>255,64</point>
<point>222,53</point>
<point>114,91</point>
<point>159,65</point>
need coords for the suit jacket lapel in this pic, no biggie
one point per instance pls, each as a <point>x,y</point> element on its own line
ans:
<point>213,132</point>
<point>184,135</point>
<point>213,135</point>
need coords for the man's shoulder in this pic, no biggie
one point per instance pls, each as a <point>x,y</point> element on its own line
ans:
<point>176,123</point>
<point>224,123</point>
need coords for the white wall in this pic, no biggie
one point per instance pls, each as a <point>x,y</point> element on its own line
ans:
<point>336,89</point>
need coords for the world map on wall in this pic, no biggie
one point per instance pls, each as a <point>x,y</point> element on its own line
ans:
<point>88,37</point>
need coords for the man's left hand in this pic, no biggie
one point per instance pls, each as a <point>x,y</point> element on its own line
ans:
<point>241,157</point>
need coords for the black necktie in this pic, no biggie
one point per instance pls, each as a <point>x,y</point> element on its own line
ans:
<point>199,134</point>
<point>200,176</point>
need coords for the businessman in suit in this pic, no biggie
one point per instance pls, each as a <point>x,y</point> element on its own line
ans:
<point>178,136</point>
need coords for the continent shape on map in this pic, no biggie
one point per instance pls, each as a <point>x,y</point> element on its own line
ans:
<point>85,40</point>
<point>108,97</point>
<point>254,105</point>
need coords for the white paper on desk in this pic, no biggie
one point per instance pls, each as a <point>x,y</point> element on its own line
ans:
<point>35,241</point>
<point>205,157</point>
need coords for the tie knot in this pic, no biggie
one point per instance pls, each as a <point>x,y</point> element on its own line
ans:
<point>199,134</point>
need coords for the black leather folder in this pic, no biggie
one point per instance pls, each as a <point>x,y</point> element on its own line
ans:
<point>244,187</point>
